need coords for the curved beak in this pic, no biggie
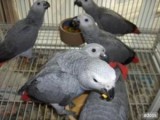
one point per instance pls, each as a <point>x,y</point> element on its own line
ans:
<point>109,93</point>
<point>46,5</point>
<point>75,22</point>
<point>104,57</point>
<point>78,3</point>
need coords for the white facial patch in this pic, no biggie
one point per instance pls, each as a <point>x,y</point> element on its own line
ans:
<point>103,73</point>
<point>86,20</point>
<point>107,80</point>
<point>94,50</point>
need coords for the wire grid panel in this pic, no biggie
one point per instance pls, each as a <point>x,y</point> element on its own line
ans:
<point>144,13</point>
<point>143,80</point>
<point>142,83</point>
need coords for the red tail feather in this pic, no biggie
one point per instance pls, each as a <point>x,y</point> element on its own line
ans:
<point>135,60</point>
<point>25,96</point>
<point>123,69</point>
<point>1,64</point>
<point>136,31</point>
<point>113,64</point>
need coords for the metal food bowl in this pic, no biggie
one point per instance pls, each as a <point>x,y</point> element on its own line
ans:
<point>69,37</point>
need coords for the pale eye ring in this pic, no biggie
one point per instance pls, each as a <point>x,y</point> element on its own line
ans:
<point>86,20</point>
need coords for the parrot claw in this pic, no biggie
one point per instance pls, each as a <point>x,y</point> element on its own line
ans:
<point>71,105</point>
<point>1,64</point>
<point>70,115</point>
<point>26,60</point>
<point>63,112</point>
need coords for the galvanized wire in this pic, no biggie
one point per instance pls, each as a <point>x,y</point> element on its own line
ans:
<point>143,80</point>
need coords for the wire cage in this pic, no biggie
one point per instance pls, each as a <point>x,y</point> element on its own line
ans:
<point>143,80</point>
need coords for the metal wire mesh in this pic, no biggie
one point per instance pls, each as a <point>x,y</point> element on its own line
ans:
<point>144,78</point>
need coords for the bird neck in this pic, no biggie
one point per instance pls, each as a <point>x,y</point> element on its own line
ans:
<point>92,9</point>
<point>35,18</point>
<point>82,89</point>
<point>89,35</point>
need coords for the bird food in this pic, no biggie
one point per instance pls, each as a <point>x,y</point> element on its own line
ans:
<point>104,96</point>
<point>70,33</point>
<point>70,26</point>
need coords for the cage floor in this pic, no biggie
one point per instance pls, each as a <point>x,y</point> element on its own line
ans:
<point>142,83</point>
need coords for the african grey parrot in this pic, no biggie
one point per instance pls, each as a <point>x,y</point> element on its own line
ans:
<point>23,34</point>
<point>116,50</point>
<point>94,50</point>
<point>98,109</point>
<point>107,19</point>
<point>70,74</point>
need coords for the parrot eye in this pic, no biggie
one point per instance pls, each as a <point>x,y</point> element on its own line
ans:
<point>95,80</point>
<point>93,50</point>
<point>86,20</point>
<point>38,3</point>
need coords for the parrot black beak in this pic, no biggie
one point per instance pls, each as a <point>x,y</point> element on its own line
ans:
<point>46,5</point>
<point>78,3</point>
<point>104,57</point>
<point>109,93</point>
<point>75,22</point>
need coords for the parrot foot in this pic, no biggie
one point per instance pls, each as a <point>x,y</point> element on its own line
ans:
<point>70,115</point>
<point>61,111</point>
<point>71,105</point>
<point>27,60</point>
<point>1,64</point>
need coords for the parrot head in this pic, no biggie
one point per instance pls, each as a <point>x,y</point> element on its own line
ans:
<point>40,6</point>
<point>98,76</point>
<point>96,50</point>
<point>83,3</point>
<point>85,22</point>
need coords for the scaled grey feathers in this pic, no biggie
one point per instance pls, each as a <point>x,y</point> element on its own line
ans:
<point>116,50</point>
<point>98,109</point>
<point>67,75</point>
<point>23,34</point>
<point>107,19</point>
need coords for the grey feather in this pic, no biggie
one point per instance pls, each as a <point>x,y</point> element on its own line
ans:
<point>107,19</point>
<point>116,50</point>
<point>66,76</point>
<point>23,34</point>
<point>98,109</point>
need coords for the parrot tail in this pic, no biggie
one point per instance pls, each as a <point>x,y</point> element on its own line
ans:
<point>25,96</point>
<point>136,31</point>
<point>135,60</point>
<point>123,68</point>
<point>1,64</point>
<point>134,28</point>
